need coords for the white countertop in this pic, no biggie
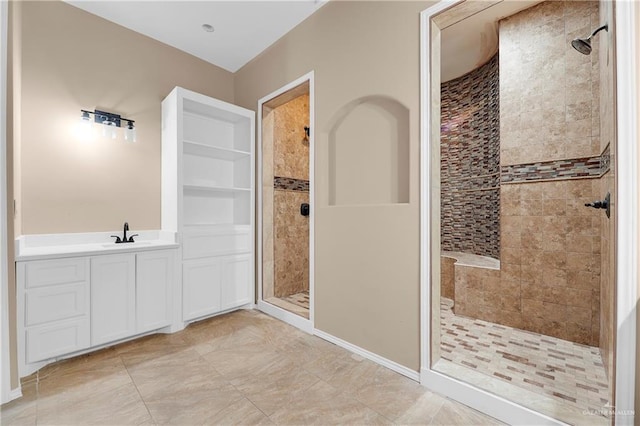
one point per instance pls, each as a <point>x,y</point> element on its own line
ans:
<point>50,246</point>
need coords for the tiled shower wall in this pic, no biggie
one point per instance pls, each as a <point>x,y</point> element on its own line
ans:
<point>291,189</point>
<point>549,103</point>
<point>470,162</point>
<point>608,144</point>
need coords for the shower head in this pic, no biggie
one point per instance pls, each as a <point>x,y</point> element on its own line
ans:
<point>583,45</point>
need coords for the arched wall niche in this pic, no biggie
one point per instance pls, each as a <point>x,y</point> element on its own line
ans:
<point>369,152</point>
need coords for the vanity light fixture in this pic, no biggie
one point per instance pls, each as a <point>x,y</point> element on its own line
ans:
<point>111,123</point>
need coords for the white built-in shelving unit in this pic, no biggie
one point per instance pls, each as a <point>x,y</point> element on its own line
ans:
<point>208,199</point>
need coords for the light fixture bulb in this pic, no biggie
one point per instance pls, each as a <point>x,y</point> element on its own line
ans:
<point>84,130</point>
<point>130,132</point>
<point>110,129</point>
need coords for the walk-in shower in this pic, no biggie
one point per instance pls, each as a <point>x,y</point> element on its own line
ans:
<point>526,289</point>
<point>285,201</point>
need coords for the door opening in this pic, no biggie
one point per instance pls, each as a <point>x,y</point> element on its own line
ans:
<point>285,204</point>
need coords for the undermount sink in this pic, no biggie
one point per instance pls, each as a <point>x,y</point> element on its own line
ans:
<point>124,245</point>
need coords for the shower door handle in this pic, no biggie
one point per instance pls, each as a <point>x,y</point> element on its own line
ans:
<point>304,209</point>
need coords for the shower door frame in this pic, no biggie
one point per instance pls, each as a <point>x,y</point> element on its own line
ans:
<point>627,31</point>
<point>295,320</point>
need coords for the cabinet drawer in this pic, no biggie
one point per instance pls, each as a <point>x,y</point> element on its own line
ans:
<point>57,271</point>
<point>207,244</point>
<point>55,303</point>
<point>51,340</point>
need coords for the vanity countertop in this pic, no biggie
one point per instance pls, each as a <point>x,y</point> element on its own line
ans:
<point>52,246</point>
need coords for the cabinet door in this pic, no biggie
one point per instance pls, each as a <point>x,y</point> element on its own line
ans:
<point>113,294</point>
<point>154,283</point>
<point>237,283</point>
<point>56,338</point>
<point>201,281</point>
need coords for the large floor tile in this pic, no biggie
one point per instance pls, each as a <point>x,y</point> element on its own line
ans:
<point>241,368</point>
<point>21,411</point>
<point>322,404</point>
<point>118,406</point>
<point>193,406</point>
<point>454,414</point>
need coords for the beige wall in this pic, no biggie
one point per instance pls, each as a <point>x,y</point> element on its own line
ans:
<point>367,265</point>
<point>56,68</point>
<point>13,83</point>
<point>72,60</point>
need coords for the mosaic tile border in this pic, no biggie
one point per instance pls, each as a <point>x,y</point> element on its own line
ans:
<point>585,167</point>
<point>290,184</point>
<point>605,160</point>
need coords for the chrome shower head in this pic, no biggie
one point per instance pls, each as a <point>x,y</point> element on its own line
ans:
<point>583,45</point>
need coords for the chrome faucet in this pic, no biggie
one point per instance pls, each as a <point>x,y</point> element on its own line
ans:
<point>124,235</point>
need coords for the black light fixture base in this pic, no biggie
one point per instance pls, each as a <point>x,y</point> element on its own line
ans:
<point>102,116</point>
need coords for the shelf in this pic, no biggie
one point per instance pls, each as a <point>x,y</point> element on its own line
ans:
<point>220,189</point>
<point>195,148</point>
<point>220,226</point>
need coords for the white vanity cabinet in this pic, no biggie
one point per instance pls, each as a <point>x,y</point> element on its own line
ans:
<point>74,304</point>
<point>113,297</point>
<point>154,287</point>
<point>53,302</point>
<point>208,199</point>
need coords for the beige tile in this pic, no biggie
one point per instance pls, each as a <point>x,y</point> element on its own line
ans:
<point>422,410</point>
<point>453,414</point>
<point>119,405</point>
<point>21,411</point>
<point>182,407</point>
<point>241,412</point>
<point>388,393</point>
<point>322,404</point>
<point>100,371</point>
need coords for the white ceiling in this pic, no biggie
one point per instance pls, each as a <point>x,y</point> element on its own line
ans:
<point>471,42</point>
<point>243,29</point>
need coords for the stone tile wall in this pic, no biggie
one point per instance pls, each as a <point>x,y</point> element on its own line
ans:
<point>549,127</point>
<point>604,49</point>
<point>549,93</point>
<point>290,190</point>
<point>470,164</point>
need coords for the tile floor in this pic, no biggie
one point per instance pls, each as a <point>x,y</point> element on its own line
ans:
<point>285,304</point>
<point>569,372</point>
<point>239,368</point>
<point>299,299</point>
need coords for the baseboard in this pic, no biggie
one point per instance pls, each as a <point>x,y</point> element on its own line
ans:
<point>391,365</point>
<point>13,394</point>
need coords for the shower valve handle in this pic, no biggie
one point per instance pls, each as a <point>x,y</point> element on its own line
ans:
<point>602,204</point>
<point>597,205</point>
